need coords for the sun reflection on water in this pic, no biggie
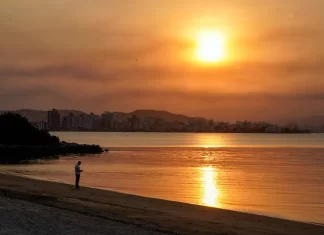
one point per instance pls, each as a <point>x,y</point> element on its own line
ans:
<point>211,141</point>
<point>211,191</point>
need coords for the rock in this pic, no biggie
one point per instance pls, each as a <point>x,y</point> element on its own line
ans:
<point>18,154</point>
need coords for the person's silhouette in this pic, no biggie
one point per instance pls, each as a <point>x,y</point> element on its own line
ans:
<point>77,174</point>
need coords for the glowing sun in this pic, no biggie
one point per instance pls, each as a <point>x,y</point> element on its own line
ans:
<point>210,47</point>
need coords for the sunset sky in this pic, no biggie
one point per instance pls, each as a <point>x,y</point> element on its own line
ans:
<point>123,55</point>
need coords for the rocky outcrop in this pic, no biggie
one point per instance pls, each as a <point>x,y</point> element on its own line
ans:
<point>23,153</point>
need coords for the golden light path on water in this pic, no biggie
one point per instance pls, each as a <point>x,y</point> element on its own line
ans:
<point>258,176</point>
<point>211,191</point>
<point>212,142</point>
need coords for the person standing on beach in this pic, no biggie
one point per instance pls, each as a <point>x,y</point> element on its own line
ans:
<point>77,174</point>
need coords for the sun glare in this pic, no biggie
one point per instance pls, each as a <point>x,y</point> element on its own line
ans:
<point>211,191</point>
<point>211,47</point>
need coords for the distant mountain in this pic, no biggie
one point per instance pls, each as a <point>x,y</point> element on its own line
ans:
<point>312,120</point>
<point>167,116</point>
<point>40,115</point>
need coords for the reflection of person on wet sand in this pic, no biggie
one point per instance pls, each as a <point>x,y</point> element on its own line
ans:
<point>77,174</point>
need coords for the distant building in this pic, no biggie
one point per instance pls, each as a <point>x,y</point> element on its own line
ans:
<point>134,121</point>
<point>42,125</point>
<point>54,120</point>
<point>97,124</point>
<point>108,119</point>
<point>93,119</point>
<point>80,122</point>
<point>86,121</point>
<point>76,122</point>
<point>65,123</point>
<point>71,122</point>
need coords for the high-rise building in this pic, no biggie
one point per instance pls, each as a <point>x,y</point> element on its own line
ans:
<point>86,122</point>
<point>70,122</point>
<point>54,120</point>
<point>108,120</point>
<point>65,123</point>
<point>42,125</point>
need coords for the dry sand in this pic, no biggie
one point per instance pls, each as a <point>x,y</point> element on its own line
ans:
<point>37,207</point>
<point>23,217</point>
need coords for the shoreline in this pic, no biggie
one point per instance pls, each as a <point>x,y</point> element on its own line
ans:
<point>154,198</point>
<point>238,147</point>
<point>152,214</point>
<point>189,132</point>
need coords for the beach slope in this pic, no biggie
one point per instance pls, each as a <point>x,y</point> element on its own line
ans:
<point>128,214</point>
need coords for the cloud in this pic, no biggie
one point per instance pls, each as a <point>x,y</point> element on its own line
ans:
<point>290,34</point>
<point>48,71</point>
<point>281,44</point>
<point>96,70</point>
<point>270,73</point>
<point>268,105</point>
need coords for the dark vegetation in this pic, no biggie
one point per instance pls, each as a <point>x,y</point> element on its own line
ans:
<point>22,141</point>
<point>17,130</point>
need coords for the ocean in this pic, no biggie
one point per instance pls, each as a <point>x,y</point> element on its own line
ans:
<point>269,174</point>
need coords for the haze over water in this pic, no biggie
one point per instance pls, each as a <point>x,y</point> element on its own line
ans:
<point>275,175</point>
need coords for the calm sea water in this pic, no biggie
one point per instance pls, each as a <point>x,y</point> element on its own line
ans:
<point>275,175</point>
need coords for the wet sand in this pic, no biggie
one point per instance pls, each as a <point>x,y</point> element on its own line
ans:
<point>40,207</point>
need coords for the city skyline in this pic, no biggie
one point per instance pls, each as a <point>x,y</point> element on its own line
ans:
<point>153,121</point>
<point>37,115</point>
<point>95,56</point>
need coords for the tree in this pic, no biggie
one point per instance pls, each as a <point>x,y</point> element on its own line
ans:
<point>17,130</point>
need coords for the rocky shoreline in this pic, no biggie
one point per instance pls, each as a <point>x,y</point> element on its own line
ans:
<point>15,154</point>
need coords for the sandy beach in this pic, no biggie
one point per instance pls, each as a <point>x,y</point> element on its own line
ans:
<point>23,217</point>
<point>31,206</point>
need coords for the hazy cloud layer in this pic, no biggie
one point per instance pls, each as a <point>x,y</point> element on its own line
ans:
<point>98,56</point>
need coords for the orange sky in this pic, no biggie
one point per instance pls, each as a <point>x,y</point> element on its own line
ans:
<point>125,55</point>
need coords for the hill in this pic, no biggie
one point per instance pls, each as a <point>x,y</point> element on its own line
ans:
<point>167,116</point>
